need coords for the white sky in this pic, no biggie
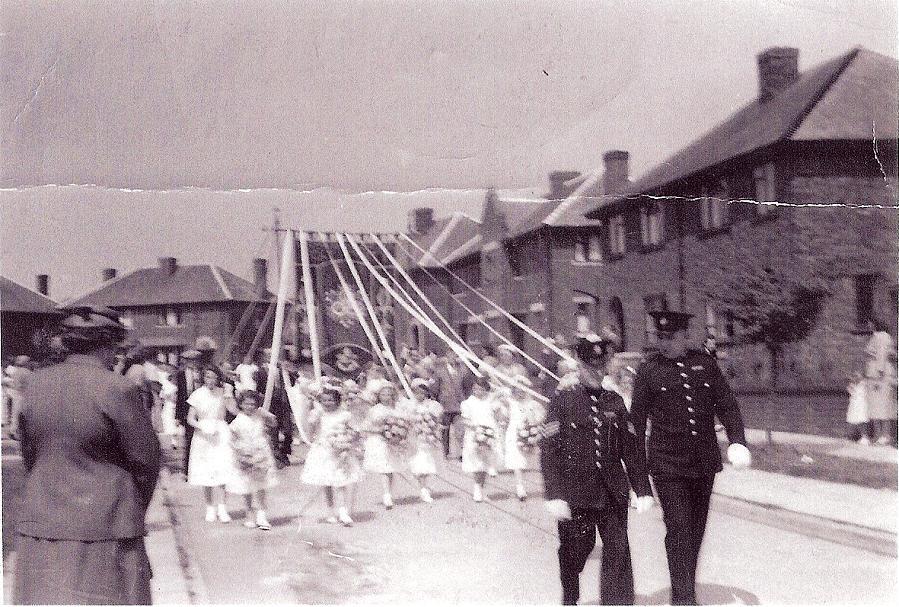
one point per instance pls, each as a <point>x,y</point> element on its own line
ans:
<point>328,99</point>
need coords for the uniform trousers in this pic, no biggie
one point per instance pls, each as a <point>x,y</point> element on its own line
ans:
<point>188,437</point>
<point>685,509</point>
<point>577,538</point>
<point>449,418</point>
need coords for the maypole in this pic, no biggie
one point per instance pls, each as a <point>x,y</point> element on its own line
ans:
<point>310,306</point>
<point>286,262</point>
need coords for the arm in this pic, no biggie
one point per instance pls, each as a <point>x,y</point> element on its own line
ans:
<point>641,402</point>
<point>551,450</point>
<point>137,439</point>
<point>726,408</point>
<point>633,453</point>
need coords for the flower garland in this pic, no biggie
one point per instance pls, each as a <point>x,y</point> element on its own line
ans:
<point>428,426</point>
<point>395,430</point>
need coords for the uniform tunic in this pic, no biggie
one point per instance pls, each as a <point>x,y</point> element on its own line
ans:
<point>590,458</point>
<point>682,397</point>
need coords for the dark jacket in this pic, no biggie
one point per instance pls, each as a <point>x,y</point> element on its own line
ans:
<point>184,391</point>
<point>91,454</point>
<point>589,454</point>
<point>451,392</point>
<point>682,397</point>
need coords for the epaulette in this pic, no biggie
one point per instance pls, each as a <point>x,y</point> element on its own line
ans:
<point>550,429</point>
<point>569,381</point>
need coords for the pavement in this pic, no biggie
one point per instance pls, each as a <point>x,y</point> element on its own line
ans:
<point>307,561</point>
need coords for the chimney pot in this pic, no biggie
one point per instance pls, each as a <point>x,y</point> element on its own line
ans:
<point>420,220</point>
<point>616,171</point>
<point>260,276</point>
<point>168,265</point>
<point>43,285</point>
<point>778,69</point>
<point>108,274</point>
<point>557,181</point>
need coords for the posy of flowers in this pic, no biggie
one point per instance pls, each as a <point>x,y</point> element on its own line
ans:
<point>529,435</point>
<point>343,441</point>
<point>252,456</point>
<point>395,430</point>
<point>484,437</point>
<point>428,426</point>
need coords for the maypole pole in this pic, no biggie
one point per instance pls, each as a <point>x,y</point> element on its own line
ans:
<point>310,305</point>
<point>286,262</point>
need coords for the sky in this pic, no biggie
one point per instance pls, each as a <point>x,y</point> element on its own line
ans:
<point>173,128</point>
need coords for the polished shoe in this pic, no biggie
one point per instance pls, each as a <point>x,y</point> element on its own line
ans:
<point>210,514</point>
<point>491,471</point>
<point>387,499</point>
<point>344,517</point>
<point>262,521</point>
<point>426,495</point>
<point>521,493</point>
<point>249,522</point>
<point>223,515</point>
<point>331,520</point>
<point>477,494</point>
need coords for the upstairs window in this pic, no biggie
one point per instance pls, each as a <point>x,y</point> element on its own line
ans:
<point>864,299</point>
<point>617,242</point>
<point>765,188</point>
<point>713,210</point>
<point>127,319</point>
<point>588,247</point>
<point>651,225</point>
<point>169,317</point>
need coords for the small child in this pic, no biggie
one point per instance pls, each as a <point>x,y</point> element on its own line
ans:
<point>332,462</point>
<point>480,446</point>
<point>857,411</point>
<point>254,464</point>
<point>525,415</point>
<point>168,393</point>
<point>426,414</point>
<point>386,445</point>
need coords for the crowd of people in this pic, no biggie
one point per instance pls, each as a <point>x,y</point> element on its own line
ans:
<point>872,410</point>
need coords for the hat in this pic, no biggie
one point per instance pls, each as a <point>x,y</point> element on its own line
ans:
<point>205,343</point>
<point>22,360</point>
<point>590,347</point>
<point>89,323</point>
<point>667,321</point>
<point>190,355</point>
<point>418,382</point>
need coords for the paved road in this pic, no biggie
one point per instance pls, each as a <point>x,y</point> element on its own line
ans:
<point>500,552</point>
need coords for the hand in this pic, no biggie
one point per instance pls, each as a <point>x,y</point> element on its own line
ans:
<point>739,456</point>
<point>558,509</point>
<point>644,503</point>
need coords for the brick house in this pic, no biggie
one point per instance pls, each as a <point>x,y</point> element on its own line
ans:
<point>26,317</point>
<point>824,136</point>
<point>169,306</point>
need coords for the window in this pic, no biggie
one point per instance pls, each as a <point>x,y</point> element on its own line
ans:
<point>588,247</point>
<point>864,299</point>
<point>765,188</point>
<point>651,225</point>
<point>617,243</point>
<point>616,312</point>
<point>713,210</point>
<point>169,317</point>
<point>127,319</point>
<point>653,303</point>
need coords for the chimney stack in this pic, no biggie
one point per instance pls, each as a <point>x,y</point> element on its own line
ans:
<point>557,181</point>
<point>616,171</point>
<point>43,285</point>
<point>168,265</point>
<point>108,274</point>
<point>420,220</point>
<point>260,276</point>
<point>778,69</point>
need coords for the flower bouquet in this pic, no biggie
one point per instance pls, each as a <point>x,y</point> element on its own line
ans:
<point>395,430</point>
<point>252,457</point>
<point>429,426</point>
<point>484,437</point>
<point>344,442</point>
<point>529,435</point>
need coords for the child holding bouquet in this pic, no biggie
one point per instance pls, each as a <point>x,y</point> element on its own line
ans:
<point>480,447</point>
<point>254,464</point>
<point>386,444</point>
<point>523,433</point>
<point>425,442</point>
<point>332,461</point>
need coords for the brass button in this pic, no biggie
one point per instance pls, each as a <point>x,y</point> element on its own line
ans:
<point>683,375</point>
<point>688,397</point>
<point>687,386</point>
<point>693,421</point>
<point>690,409</point>
<point>693,432</point>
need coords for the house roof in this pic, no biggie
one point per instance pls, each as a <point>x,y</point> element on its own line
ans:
<point>445,240</point>
<point>16,298</point>
<point>154,286</point>
<point>839,99</point>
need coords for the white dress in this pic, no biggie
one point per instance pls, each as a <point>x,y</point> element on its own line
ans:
<point>380,457</point>
<point>248,434</point>
<point>168,393</point>
<point>423,444</point>
<point>210,450</point>
<point>479,412</point>
<point>520,411</point>
<point>322,467</point>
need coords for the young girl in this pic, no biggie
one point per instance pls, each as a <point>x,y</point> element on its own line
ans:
<point>385,446</point>
<point>210,450</point>
<point>254,464</point>
<point>525,415</point>
<point>426,414</point>
<point>480,446</point>
<point>168,393</point>
<point>857,412</point>
<point>332,462</point>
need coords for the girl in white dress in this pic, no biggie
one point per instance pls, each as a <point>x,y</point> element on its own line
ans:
<point>168,393</point>
<point>385,446</point>
<point>254,465</point>
<point>332,462</point>
<point>480,446</point>
<point>210,451</point>
<point>424,442</point>
<point>524,413</point>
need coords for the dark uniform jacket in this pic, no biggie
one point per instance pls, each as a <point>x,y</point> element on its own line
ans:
<point>91,454</point>
<point>184,391</point>
<point>589,451</point>
<point>682,397</point>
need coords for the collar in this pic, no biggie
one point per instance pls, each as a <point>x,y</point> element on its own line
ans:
<point>86,360</point>
<point>609,384</point>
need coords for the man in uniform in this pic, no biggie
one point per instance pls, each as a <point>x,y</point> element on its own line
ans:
<point>92,460</point>
<point>588,437</point>
<point>682,391</point>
